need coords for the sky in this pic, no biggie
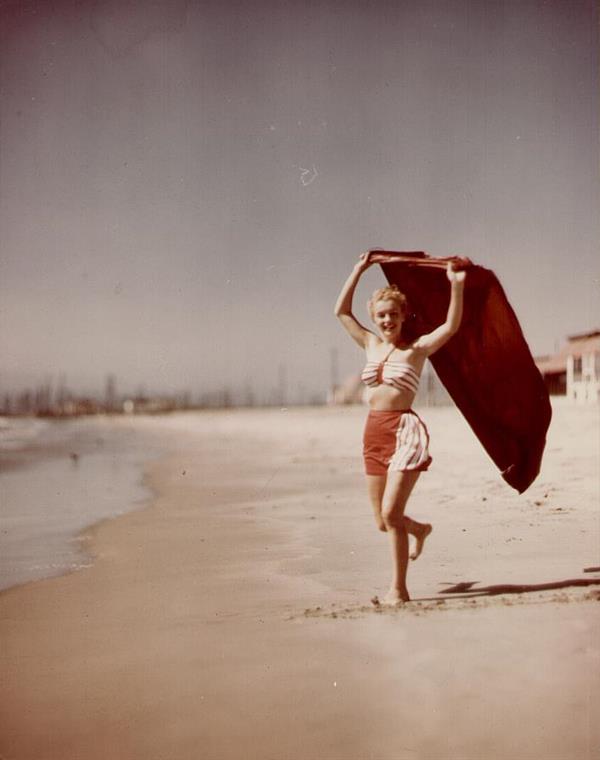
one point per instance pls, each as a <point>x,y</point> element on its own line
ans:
<point>185,186</point>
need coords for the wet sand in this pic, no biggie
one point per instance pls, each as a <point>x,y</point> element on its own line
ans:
<point>232,618</point>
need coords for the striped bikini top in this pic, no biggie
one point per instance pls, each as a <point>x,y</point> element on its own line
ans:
<point>399,375</point>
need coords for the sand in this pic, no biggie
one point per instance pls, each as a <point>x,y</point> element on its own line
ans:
<point>232,617</point>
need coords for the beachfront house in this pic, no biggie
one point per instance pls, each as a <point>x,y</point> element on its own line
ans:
<point>574,371</point>
<point>554,372</point>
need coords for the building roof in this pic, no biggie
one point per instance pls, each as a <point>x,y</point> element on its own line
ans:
<point>582,344</point>
<point>581,336</point>
<point>551,365</point>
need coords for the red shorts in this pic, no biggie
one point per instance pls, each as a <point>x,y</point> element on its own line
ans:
<point>395,440</point>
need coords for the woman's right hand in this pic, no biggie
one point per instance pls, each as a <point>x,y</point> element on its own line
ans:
<point>367,259</point>
<point>364,261</point>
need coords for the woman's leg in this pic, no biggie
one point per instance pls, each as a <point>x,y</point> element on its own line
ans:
<point>397,490</point>
<point>376,488</point>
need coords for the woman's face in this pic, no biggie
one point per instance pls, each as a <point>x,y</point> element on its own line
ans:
<point>388,318</point>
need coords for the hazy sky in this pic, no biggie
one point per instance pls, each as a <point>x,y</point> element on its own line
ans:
<point>184,186</point>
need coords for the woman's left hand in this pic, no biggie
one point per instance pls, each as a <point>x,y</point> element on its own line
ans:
<point>453,275</point>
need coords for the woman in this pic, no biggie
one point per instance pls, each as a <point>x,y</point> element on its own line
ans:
<point>395,443</point>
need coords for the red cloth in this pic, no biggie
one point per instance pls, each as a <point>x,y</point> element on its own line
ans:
<point>486,367</point>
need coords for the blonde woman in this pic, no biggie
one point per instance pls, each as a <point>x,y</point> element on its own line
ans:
<point>395,441</point>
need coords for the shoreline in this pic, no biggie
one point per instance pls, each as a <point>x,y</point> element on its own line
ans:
<point>245,591</point>
<point>170,425</point>
<point>47,484</point>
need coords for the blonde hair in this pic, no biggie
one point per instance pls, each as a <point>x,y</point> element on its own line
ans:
<point>389,293</point>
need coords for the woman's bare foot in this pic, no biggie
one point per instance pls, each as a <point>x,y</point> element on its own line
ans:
<point>421,536</point>
<point>380,522</point>
<point>395,597</point>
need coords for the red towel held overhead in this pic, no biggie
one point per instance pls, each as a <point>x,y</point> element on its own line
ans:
<point>487,366</point>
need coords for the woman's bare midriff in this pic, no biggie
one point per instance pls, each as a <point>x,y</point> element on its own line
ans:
<point>384,398</point>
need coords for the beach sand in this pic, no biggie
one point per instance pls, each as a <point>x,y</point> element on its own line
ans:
<point>232,617</point>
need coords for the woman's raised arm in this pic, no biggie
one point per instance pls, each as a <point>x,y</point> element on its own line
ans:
<point>343,305</point>
<point>434,340</point>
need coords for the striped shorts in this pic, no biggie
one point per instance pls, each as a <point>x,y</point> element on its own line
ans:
<point>395,440</point>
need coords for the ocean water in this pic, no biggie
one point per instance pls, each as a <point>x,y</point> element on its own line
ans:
<point>59,477</point>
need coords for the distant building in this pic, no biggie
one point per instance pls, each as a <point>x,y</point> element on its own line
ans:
<point>574,371</point>
<point>554,372</point>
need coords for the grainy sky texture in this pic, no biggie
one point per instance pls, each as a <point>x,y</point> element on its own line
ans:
<point>184,186</point>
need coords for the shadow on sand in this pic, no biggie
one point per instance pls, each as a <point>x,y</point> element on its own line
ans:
<point>467,591</point>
